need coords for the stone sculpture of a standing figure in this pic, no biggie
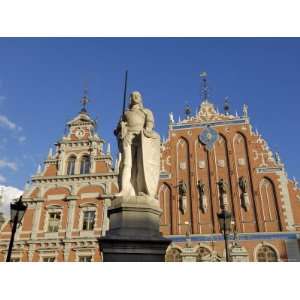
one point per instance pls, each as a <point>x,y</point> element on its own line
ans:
<point>223,188</point>
<point>139,146</point>
<point>202,196</point>
<point>182,190</point>
<point>244,196</point>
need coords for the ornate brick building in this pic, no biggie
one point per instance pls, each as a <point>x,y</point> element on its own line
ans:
<point>68,198</point>
<point>66,212</point>
<point>200,151</point>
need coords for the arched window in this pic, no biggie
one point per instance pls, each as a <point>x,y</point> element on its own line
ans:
<point>173,255</point>
<point>71,165</point>
<point>85,165</point>
<point>266,254</point>
<point>203,254</point>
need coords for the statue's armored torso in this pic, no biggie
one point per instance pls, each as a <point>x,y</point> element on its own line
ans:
<point>135,119</point>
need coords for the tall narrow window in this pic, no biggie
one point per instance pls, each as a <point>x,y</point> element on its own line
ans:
<point>71,165</point>
<point>89,220</point>
<point>266,254</point>
<point>54,221</point>
<point>85,165</point>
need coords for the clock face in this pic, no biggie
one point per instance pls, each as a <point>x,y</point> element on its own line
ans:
<point>208,137</point>
<point>79,133</point>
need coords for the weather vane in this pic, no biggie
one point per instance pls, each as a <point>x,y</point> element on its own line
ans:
<point>187,111</point>
<point>226,106</point>
<point>204,87</point>
<point>85,100</point>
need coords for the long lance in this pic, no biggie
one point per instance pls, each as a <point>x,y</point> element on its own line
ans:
<point>125,93</point>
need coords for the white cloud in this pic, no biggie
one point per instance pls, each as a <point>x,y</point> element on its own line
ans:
<point>6,123</point>
<point>22,139</point>
<point>10,193</point>
<point>8,164</point>
<point>10,125</point>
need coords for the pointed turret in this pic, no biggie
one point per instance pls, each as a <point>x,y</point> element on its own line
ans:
<point>80,150</point>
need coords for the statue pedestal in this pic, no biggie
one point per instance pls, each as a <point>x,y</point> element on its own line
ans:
<point>133,234</point>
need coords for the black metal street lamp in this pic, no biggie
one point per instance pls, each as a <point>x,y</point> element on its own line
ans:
<point>225,223</point>
<point>17,211</point>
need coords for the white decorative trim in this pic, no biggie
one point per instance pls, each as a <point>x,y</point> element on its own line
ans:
<point>182,165</point>
<point>285,199</point>
<point>241,162</point>
<point>221,163</point>
<point>89,195</point>
<point>201,164</point>
<point>87,204</point>
<point>53,207</point>
<point>70,219</point>
<point>56,197</point>
<point>36,220</point>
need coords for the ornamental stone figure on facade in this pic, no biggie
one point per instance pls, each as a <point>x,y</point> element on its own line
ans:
<point>202,196</point>
<point>182,190</point>
<point>223,189</point>
<point>243,184</point>
<point>139,146</point>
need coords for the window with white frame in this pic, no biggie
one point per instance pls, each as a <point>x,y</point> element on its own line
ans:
<point>54,221</point>
<point>71,165</point>
<point>88,222</point>
<point>85,258</point>
<point>85,165</point>
<point>49,259</point>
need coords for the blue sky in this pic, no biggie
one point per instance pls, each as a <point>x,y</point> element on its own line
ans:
<point>42,79</point>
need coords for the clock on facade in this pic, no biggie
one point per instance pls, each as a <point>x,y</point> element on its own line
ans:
<point>79,133</point>
<point>208,137</point>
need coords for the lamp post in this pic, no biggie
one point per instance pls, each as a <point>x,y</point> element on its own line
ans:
<point>17,211</point>
<point>225,223</point>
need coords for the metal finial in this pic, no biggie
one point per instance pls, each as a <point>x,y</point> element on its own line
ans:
<point>204,86</point>
<point>187,111</point>
<point>226,106</point>
<point>84,100</point>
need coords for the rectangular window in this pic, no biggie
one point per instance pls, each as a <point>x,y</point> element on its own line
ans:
<point>85,258</point>
<point>49,259</point>
<point>85,165</point>
<point>71,166</point>
<point>89,220</point>
<point>54,221</point>
<point>15,260</point>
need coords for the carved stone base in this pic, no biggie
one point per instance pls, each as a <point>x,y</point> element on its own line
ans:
<point>133,234</point>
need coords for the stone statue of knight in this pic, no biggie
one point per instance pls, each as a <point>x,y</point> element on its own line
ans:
<point>139,146</point>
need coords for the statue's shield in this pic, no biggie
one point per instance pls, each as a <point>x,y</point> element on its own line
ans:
<point>151,162</point>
